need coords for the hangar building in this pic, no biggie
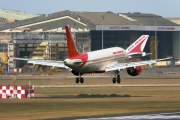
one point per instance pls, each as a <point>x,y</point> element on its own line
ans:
<point>28,37</point>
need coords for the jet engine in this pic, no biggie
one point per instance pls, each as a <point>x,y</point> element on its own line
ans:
<point>75,73</point>
<point>134,71</point>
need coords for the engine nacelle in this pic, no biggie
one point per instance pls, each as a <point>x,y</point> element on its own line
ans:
<point>134,71</point>
<point>75,73</point>
<point>73,62</point>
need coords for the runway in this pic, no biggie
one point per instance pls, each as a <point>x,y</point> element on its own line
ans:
<point>159,116</point>
<point>68,100</point>
<point>108,85</point>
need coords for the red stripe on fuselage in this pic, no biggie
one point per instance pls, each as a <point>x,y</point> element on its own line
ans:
<point>100,71</point>
<point>84,58</point>
<point>100,61</point>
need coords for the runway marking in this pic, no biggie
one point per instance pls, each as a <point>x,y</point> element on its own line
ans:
<point>160,116</point>
<point>109,85</point>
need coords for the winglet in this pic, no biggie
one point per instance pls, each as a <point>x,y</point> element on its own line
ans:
<point>72,51</point>
<point>138,46</point>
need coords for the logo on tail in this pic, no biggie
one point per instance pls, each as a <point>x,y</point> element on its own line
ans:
<point>138,46</point>
<point>72,51</point>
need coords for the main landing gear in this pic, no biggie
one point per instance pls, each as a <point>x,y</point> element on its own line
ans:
<point>117,77</point>
<point>79,79</point>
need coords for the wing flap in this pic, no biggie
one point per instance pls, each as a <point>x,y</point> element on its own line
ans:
<point>130,64</point>
<point>119,66</point>
<point>52,63</point>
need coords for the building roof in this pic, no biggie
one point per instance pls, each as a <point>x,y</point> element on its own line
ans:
<point>150,19</point>
<point>86,20</point>
<point>110,18</point>
<point>174,19</point>
<point>17,15</point>
<point>125,18</point>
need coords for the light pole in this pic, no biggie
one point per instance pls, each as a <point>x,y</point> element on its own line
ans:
<point>83,44</point>
<point>155,38</point>
<point>102,17</point>
<point>49,47</point>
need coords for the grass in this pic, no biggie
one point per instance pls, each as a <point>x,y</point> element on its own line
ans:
<point>79,102</point>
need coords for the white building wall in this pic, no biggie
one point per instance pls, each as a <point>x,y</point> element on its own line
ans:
<point>138,28</point>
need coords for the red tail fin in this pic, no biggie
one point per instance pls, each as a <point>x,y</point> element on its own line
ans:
<point>72,51</point>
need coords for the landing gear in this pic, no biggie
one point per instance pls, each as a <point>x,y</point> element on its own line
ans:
<point>117,77</point>
<point>79,79</point>
<point>114,80</point>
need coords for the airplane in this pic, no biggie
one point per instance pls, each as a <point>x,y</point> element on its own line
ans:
<point>100,61</point>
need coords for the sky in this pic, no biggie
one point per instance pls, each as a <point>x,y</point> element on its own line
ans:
<point>165,8</point>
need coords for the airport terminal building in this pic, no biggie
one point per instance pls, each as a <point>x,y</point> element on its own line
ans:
<point>43,36</point>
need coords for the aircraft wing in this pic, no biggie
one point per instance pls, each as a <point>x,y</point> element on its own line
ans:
<point>52,63</point>
<point>119,66</point>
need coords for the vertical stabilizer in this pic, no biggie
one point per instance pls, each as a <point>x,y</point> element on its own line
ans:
<point>72,51</point>
<point>138,46</point>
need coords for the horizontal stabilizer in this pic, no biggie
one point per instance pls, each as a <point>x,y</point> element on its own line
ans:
<point>139,55</point>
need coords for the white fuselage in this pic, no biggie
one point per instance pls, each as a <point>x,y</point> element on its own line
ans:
<point>97,61</point>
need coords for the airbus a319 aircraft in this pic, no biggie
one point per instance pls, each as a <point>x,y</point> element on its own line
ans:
<point>100,61</point>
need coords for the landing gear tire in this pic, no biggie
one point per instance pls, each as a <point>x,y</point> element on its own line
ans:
<point>81,80</point>
<point>117,77</point>
<point>114,80</point>
<point>118,80</point>
<point>77,80</point>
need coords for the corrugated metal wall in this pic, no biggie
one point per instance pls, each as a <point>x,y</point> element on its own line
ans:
<point>176,45</point>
